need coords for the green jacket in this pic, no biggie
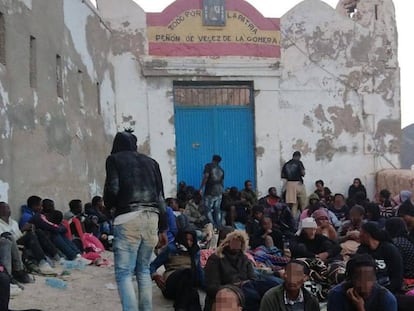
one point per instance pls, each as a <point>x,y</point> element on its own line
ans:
<point>273,300</point>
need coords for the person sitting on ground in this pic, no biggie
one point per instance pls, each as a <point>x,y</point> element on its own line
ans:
<point>229,298</point>
<point>29,238</point>
<point>372,213</point>
<point>397,230</point>
<point>324,226</point>
<point>308,244</point>
<point>195,212</point>
<point>76,211</point>
<point>283,220</point>
<point>56,231</point>
<point>182,195</point>
<point>183,273</point>
<point>291,295</point>
<point>99,223</point>
<point>230,266</point>
<point>233,200</point>
<point>11,260</point>
<point>374,242</point>
<point>249,195</point>
<point>253,227</point>
<point>406,212</point>
<point>163,253</point>
<point>361,290</point>
<point>399,199</point>
<point>350,230</point>
<point>356,187</point>
<point>172,220</point>
<point>315,204</point>
<point>385,206</point>
<point>269,201</point>
<point>267,235</point>
<point>324,193</point>
<point>339,207</point>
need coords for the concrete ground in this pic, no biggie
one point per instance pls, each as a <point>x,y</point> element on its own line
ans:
<point>93,288</point>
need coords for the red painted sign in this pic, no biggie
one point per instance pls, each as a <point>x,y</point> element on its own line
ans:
<point>179,31</point>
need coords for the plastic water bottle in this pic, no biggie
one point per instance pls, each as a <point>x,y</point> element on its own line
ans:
<point>56,283</point>
<point>74,264</point>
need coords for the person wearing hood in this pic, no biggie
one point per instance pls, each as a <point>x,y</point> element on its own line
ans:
<point>183,273</point>
<point>230,266</point>
<point>356,187</point>
<point>309,244</point>
<point>324,225</point>
<point>315,204</point>
<point>134,191</point>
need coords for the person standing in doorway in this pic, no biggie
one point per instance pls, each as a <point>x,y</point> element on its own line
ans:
<point>293,172</point>
<point>213,184</point>
<point>134,190</point>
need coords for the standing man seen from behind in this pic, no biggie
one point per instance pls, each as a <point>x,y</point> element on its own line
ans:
<point>293,172</point>
<point>213,181</point>
<point>134,189</point>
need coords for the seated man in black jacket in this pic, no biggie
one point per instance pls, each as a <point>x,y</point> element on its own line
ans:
<point>308,244</point>
<point>387,257</point>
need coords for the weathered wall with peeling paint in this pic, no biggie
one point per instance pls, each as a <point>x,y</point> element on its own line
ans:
<point>334,95</point>
<point>340,91</point>
<point>50,146</point>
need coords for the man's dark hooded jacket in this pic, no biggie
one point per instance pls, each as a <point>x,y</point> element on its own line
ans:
<point>133,179</point>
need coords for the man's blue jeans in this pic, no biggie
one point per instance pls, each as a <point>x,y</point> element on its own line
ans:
<point>133,245</point>
<point>212,205</point>
<point>66,246</point>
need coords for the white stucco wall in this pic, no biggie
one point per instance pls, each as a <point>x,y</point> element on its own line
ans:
<point>333,106</point>
<point>331,98</point>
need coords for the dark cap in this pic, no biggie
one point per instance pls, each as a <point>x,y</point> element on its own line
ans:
<point>297,154</point>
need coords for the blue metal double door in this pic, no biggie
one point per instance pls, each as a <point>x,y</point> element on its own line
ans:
<point>204,131</point>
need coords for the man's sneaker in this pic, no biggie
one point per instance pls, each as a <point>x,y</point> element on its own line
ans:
<point>22,276</point>
<point>45,268</point>
<point>14,290</point>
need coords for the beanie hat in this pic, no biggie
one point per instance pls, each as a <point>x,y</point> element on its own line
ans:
<point>307,222</point>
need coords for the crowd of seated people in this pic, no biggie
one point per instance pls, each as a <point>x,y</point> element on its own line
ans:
<point>44,237</point>
<point>262,257</point>
<point>329,233</point>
